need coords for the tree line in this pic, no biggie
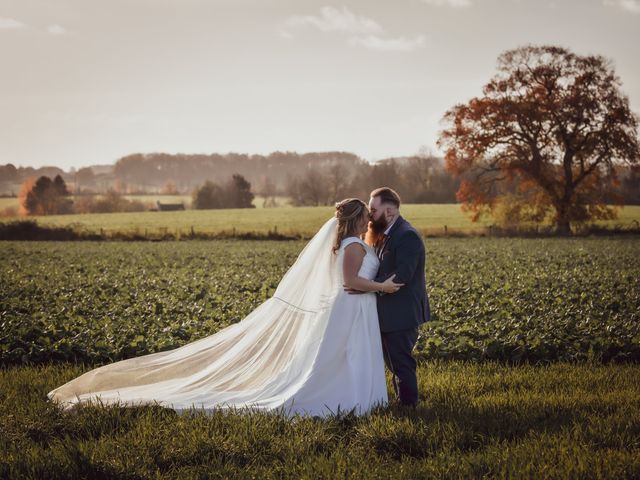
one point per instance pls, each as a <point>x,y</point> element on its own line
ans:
<point>418,179</point>
<point>318,178</point>
<point>307,179</point>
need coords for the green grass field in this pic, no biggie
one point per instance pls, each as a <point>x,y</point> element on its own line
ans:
<point>558,421</point>
<point>151,199</point>
<point>303,221</point>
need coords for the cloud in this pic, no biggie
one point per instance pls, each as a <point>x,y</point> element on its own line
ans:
<point>13,24</point>
<point>449,3</point>
<point>10,23</point>
<point>397,44</point>
<point>360,30</point>
<point>628,5</point>
<point>56,30</point>
<point>334,19</point>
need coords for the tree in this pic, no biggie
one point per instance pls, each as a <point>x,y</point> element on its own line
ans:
<point>423,179</point>
<point>235,194</point>
<point>25,188</point>
<point>209,195</point>
<point>238,193</point>
<point>8,173</point>
<point>630,185</point>
<point>337,179</point>
<point>268,190</point>
<point>309,189</point>
<point>552,123</point>
<point>46,197</point>
<point>84,176</point>
<point>169,188</point>
<point>386,173</point>
<point>60,187</point>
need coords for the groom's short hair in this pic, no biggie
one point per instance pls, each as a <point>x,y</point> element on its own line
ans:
<point>387,195</point>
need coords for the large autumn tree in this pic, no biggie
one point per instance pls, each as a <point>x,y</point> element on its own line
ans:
<point>551,127</point>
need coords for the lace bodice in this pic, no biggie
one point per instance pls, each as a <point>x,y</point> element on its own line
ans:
<point>370,262</point>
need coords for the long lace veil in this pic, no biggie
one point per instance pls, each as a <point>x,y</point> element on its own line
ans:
<point>256,362</point>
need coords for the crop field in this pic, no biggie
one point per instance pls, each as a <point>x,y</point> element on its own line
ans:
<point>430,219</point>
<point>499,299</point>
<point>529,368</point>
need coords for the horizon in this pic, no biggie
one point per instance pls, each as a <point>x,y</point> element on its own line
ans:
<point>85,84</point>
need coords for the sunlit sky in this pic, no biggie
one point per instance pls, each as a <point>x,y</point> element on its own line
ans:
<point>88,81</point>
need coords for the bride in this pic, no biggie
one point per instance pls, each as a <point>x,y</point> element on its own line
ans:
<point>311,349</point>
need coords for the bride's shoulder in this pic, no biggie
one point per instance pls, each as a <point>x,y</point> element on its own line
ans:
<point>351,240</point>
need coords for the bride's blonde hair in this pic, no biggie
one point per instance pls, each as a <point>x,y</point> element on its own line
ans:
<point>348,212</point>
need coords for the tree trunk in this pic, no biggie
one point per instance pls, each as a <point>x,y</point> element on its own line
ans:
<point>563,228</point>
<point>563,223</point>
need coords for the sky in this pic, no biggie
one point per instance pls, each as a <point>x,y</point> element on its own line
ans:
<point>86,82</point>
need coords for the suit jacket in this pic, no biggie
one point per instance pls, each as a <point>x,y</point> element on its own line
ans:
<point>403,254</point>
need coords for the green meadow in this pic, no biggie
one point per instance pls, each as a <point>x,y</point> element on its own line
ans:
<point>558,421</point>
<point>150,199</point>
<point>430,219</point>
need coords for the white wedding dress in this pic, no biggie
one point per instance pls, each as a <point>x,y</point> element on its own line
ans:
<point>311,349</point>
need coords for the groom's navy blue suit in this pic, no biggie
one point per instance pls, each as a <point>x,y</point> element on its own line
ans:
<point>402,252</point>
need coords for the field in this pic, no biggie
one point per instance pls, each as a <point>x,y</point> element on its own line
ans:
<point>528,370</point>
<point>430,219</point>
<point>12,202</point>
<point>493,299</point>
<point>474,421</point>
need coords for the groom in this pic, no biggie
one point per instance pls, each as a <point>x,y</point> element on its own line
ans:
<point>401,251</point>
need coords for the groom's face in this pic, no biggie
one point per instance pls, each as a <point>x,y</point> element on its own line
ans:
<point>377,215</point>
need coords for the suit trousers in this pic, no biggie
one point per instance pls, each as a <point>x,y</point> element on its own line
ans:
<point>397,347</point>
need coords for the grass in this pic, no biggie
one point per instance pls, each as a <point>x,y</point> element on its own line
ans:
<point>473,421</point>
<point>12,202</point>
<point>286,220</point>
<point>303,221</point>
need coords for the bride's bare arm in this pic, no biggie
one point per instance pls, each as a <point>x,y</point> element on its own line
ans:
<point>353,256</point>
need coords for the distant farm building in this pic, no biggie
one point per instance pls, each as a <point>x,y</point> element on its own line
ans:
<point>167,207</point>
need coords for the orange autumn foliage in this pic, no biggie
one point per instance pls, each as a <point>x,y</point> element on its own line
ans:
<point>549,130</point>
